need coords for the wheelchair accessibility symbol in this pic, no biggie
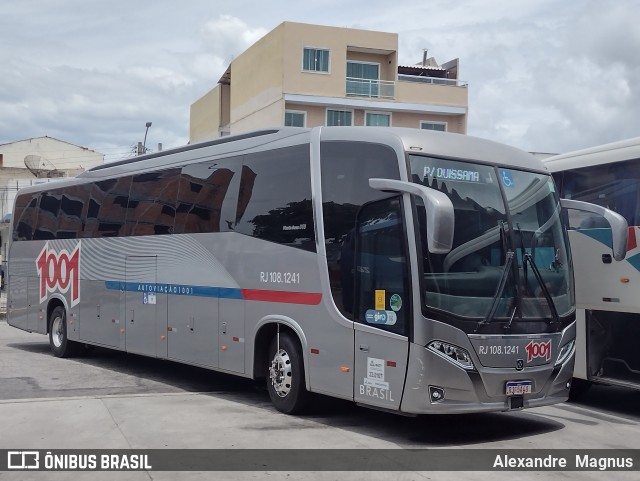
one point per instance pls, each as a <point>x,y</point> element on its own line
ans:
<point>148,298</point>
<point>507,180</point>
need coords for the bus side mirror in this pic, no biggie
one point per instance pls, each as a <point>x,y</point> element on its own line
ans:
<point>619,227</point>
<point>440,215</point>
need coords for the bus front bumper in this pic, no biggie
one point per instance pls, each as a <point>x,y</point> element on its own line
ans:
<point>480,390</point>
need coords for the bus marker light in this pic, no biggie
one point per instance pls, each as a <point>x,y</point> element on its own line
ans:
<point>391,363</point>
<point>344,369</point>
<point>223,348</point>
<point>624,280</point>
<point>236,339</point>
<point>162,338</point>
<point>122,331</point>
<point>315,351</point>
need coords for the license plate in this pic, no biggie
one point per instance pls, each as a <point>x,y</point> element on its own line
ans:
<point>515,388</point>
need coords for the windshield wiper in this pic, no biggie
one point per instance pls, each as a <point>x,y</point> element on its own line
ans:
<point>498,295</point>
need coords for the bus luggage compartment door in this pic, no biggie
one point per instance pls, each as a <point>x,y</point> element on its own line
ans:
<point>141,305</point>
<point>193,329</point>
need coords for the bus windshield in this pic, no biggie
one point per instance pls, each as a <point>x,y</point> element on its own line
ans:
<point>509,260</point>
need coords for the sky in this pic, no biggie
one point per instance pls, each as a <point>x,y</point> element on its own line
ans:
<point>543,75</point>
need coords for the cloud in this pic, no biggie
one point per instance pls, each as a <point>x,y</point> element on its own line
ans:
<point>105,105</point>
<point>544,75</point>
<point>227,36</point>
<point>590,86</point>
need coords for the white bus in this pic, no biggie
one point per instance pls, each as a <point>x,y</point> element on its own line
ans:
<point>406,270</point>
<point>607,292</point>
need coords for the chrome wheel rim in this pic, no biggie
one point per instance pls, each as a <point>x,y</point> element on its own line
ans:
<point>280,373</point>
<point>57,331</point>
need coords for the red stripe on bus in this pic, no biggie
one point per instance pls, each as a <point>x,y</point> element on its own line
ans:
<point>633,243</point>
<point>308,298</point>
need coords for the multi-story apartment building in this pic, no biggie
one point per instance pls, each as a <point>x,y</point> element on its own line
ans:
<point>311,75</point>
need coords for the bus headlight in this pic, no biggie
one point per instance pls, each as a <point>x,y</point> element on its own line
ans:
<point>458,356</point>
<point>566,351</point>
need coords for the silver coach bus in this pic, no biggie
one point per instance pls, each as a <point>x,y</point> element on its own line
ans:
<point>407,270</point>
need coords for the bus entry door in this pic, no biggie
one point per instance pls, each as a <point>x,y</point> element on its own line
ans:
<point>380,367</point>
<point>382,304</point>
<point>141,305</point>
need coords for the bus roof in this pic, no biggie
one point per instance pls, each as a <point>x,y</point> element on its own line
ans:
<point>439,144</point>
<point>601,154</point>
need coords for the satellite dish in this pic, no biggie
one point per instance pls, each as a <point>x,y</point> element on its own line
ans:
<point>41,167</point>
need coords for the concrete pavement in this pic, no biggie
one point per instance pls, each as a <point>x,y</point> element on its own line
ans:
<point>111,400</point>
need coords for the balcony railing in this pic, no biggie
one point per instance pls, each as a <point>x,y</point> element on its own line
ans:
<point>362,87</point>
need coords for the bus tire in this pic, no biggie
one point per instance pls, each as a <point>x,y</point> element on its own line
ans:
<point>59,342</point>
<point>285,375</point>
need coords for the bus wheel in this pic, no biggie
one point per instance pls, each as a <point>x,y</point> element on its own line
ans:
<point>60,345</point>
<point>285,380</point>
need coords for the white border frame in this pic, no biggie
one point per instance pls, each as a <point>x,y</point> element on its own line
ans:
<point>326,115</point>
<point>365,63</point>
<point>290,111</point>
<point>377,112</point>
<point>435,122</point>
<point>302,69</point>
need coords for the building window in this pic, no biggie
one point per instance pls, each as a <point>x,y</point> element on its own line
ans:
<point>370,71</point>
<point>339,117</point>
<point>315,60</point>
<point>427,125</point>
<point>363,79</point>
<point>377,119</point>
<point>294,118</point>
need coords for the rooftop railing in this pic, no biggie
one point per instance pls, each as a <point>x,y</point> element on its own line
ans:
<point>432,80</point>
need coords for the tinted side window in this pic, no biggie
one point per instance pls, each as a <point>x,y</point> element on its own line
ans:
<point>382,279</point>
<point>207,196</point>
<point>47,224</point>
<point>614,186</point>
<point>24,216</point>
<point>274,202</point>
<point>72,207</point>
<point>346,170</point>
<point>152,202</point>
<point>107,207</point>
